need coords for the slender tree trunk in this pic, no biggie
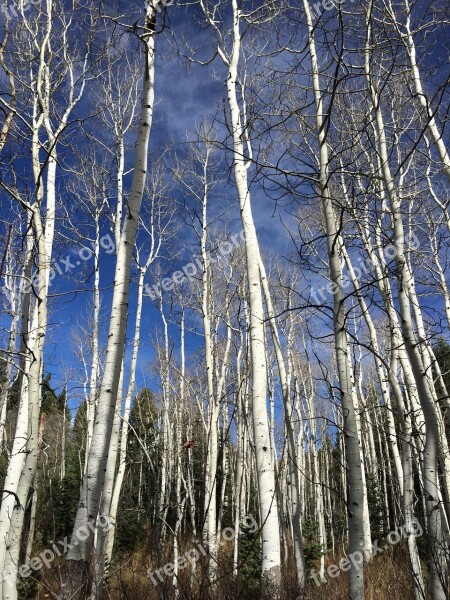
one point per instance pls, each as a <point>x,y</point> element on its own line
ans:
<point>380,370</point>
<point>355,491</point>
<point>438,571</point>
<point>241,444</point>
<point>93,381</point>
<point>407,38</point>
<point>29,466</point>
<point>267,493</point>
<point>14,299</point>
<point>210,506</point>
<point>408,481</point>
<point>78,557</point>
<point>293,467</point>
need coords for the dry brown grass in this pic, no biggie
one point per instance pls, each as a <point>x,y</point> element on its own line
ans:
<point>387,577</point>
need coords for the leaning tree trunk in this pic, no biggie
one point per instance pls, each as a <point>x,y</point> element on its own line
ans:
<point>14,298</point>
<point>438,572</point>
<point>114,503</point>
<point>407,38</point>
<point>17,455</point>
<point>78,558</point>
<point>34,376</point>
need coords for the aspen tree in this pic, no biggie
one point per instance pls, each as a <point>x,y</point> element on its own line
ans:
<point>355,500</point>
<point>42,124</point>
<point>78,557</point>
<point>405,284</point>
<point>271,557</point>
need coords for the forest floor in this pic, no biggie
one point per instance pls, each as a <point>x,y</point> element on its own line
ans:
<point>387,577</point>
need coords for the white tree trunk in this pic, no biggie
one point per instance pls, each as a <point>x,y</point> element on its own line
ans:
<point>93,482</point>
<point>267,493</point>
<point>405,285</point>
<point>95,364</point>
<point>271,558</point>
<point>293,467</point>
<point>210,506</point>
<point>355,494</point>
<point>407,38</point>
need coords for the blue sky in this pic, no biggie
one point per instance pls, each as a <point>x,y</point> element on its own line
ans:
<point>186,93</point>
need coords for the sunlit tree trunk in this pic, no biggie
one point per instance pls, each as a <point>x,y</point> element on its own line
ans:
<point>355,498</point>
<point>267,493</point>
<point>93,481</point>
<point>407,38</point>
<point>438,571</point>
<point>292,460</point>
